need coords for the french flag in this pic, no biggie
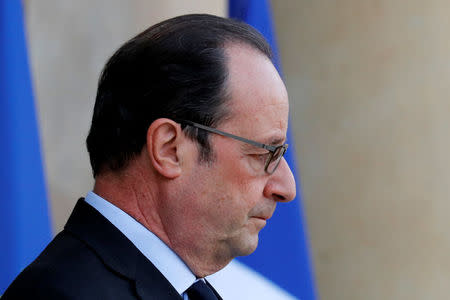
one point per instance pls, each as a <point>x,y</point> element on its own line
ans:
<point>24,215</point>
<point>280,268</point>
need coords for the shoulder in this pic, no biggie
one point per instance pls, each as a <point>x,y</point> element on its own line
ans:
<point>68,269</point>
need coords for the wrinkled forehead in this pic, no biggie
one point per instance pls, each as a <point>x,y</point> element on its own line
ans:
<point>256,92</point>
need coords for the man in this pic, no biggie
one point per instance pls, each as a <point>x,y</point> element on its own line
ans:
<point>186,147</point>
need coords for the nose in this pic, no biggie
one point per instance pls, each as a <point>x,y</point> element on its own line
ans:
<point>281,184</point>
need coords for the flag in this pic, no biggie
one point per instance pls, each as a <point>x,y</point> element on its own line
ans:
<point>24,217</point>
<point>282,256</point>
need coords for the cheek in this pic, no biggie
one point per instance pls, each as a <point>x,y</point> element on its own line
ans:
<point>225,192</point>
<point>234,204</point>
<point>239,180</point>
<point>225,206</point>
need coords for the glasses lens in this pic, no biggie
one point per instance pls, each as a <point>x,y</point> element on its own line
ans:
<point>274,160</point>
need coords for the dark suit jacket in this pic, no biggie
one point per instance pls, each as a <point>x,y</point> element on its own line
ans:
<point>90,259</point>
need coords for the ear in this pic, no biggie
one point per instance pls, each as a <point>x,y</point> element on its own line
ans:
<point>163,140</point>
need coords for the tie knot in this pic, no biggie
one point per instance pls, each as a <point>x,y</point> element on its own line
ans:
<point>199,290</point>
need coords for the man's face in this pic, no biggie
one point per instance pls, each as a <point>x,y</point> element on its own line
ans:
<point>229,200</point>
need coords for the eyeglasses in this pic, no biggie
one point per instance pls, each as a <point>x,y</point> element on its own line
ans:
<point>275,152</point>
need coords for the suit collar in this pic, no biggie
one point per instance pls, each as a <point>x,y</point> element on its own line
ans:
<point>118,253</point>
<point>214,290</point>
<point>150,245</point>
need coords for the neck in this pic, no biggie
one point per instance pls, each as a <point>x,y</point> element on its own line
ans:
<point>133,191</point>
<point>160,210</point>
<point>201,259</point>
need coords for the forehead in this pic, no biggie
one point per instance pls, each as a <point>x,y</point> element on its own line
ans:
<point>258,96</point>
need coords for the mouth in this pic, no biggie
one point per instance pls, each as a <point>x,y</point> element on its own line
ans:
<point>260,221</point>
<point>262,218</point>
<point>264,214</point>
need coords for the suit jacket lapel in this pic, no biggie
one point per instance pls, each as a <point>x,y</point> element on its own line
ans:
<point>117,252</point>
<point>152,285</point>
<point>214,290</point>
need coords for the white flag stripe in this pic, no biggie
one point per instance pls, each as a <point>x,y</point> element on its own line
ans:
<point>239,282</point>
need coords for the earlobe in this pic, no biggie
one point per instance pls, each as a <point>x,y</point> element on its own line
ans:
<point>163,138</point>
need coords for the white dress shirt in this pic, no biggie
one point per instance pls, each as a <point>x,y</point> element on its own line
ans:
<point>155,250</point>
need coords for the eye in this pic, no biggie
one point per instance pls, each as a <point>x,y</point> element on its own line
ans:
<point>278,152</point>
<point>262,156</point>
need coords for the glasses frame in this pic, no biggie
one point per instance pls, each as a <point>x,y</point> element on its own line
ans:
<point>272,149</point>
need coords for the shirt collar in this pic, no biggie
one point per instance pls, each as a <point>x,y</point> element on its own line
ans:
<point>155,250</point>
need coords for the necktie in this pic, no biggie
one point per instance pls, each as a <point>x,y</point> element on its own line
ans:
<point>199,290</point>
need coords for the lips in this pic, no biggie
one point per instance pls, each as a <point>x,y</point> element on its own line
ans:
<point>264,217</point>
<point>263,213</point>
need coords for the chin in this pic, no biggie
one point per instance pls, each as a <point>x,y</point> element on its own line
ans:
<point>249,246</point>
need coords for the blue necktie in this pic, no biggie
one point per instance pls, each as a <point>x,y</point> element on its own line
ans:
<point>199,290</point>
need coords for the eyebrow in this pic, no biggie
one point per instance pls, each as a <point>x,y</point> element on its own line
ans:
<point>270,141</point>
<point>277,141</point>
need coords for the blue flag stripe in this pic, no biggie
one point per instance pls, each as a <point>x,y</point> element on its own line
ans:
<point>283,252</point>
<point>24,219</point>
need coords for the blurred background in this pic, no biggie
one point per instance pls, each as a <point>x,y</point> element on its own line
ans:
<point>368,83</point>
